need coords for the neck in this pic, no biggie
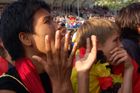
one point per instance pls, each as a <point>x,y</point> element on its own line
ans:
<point>38,65</point>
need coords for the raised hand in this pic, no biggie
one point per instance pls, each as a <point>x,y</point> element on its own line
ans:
<point>58,63</point>
<point>85,63</point>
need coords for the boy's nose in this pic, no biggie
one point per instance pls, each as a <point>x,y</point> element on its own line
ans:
<point>121,45</point>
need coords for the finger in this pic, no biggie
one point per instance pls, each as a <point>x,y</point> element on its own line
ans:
<point>125,58</point>
<point>73,52</point>
<point>115,54</point>
<point>94,46</point>
<point>65,47</point>
<point>121,60</point>
<point>67,42</point>
<point>117,58</point>
<point>39,59</point>
<point>57,41</point>
<point>48,48</point>
<point>47,43</point>
<point>88,48</point>
<point>77,57</point>
<point>114,50</point>
<point>88,45</point>
<point>92,56</point>
<point>57,47</point>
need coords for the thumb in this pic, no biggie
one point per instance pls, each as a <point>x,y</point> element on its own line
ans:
<point>39,59</point>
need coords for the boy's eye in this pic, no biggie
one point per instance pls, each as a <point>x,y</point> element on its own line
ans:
<point>116,39</point>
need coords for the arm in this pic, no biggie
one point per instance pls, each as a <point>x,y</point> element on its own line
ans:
<point>119,55</point>
<point>6,91</point>
<point>83,82</point>
<point>128,77</point>
<point>83,66</point>
<point>62,86</point>
<point>127,81</point>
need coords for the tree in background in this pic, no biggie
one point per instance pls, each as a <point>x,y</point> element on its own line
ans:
<point>114,4</point>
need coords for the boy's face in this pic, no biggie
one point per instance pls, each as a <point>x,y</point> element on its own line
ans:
<point>43,25</point>
<point>111,43</point>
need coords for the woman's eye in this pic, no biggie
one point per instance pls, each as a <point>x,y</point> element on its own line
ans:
<point>46,21</point>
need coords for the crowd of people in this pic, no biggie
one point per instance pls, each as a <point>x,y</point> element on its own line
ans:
<point>42,52</point>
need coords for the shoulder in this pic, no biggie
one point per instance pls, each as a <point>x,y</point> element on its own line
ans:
<point>11,81</point>
<point>128,42</point>
<point>131,47</point>
<point>7,91</point>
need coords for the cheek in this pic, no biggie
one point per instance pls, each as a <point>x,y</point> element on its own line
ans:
<point>39,44</point>
<point>107,51</point>
<point>110,48</point>
<point>49,30</point>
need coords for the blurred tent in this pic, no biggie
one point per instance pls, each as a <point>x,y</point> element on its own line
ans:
<point>77,4</point>
<point>74,3</point>
<point>62,3</point>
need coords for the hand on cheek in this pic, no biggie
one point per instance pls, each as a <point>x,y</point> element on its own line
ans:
<point>119,55</point>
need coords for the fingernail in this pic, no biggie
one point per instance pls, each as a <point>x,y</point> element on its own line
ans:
<point>93,36</point>
<point>57,32</point>
<point>111,52</point>
<point>66,35</point>
<point>47,37</point>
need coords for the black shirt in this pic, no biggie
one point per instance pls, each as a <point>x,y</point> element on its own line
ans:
<point>9,83</point>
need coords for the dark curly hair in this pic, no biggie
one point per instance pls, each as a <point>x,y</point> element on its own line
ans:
<point>16,18</point>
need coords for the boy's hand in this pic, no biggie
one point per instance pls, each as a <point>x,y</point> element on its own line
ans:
<point>84,64</point>
<point>120,55</point>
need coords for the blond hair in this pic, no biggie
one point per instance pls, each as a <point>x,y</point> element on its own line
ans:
<point>102,28</point>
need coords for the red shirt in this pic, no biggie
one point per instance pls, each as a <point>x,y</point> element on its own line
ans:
<point>136,78</point>
<point>3,65</point>
<point>120,68</point>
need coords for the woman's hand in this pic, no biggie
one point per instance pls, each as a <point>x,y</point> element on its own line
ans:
<point>58,63</point>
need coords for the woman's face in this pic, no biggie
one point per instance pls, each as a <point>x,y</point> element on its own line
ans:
<point>43,25</point>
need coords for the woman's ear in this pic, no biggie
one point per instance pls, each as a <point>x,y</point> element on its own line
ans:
<point>25,39</point>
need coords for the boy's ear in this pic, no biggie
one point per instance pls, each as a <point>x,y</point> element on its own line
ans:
<point>25,38</point>
<point>138,28</point>
<point>99,45</point>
